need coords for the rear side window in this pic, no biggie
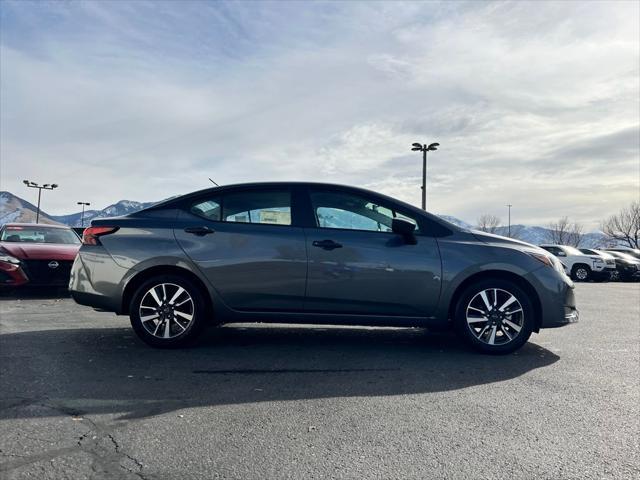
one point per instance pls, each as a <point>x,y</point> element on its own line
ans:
<point>262,206</point>
<point>209,209</point>
<point>267,206</point>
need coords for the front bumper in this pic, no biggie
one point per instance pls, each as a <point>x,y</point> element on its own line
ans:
<point>556,297</point>
<point>12,275</point>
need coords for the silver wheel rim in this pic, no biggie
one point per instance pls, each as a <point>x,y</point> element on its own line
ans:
<point>581,274</point>
<point>166,310</point>
<point>615,275</point>
<point>495,316</point>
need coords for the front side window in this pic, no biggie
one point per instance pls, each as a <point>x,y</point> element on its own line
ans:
<point>352,212</point>
<point>268,207</point>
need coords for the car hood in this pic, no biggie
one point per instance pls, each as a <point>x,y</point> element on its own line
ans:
<point>40,251</point>
<point>499,239</point>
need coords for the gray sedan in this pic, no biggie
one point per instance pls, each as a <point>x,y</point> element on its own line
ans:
<point>315,254</point>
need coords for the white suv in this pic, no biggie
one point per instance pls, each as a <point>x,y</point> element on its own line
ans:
<point>581,267</point>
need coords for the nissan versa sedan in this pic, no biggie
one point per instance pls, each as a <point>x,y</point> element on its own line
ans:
<point>315,254</point>
<point>36,255</point>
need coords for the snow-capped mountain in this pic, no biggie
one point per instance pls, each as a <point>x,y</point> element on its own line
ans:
<point>15,209</point>
<point>123,207</point>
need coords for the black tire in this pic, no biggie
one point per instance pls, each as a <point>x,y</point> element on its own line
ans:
<point>581,273</point>
<point>615,276</point>
<point>176,317</point>
<point>503,345</point>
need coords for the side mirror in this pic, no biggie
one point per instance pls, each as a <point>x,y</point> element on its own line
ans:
<point>405,228</point>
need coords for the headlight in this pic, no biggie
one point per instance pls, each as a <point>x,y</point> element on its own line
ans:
<point>548,260</point>
<point>9,259</point>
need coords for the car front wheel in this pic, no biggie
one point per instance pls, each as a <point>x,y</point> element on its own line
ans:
<point>167,311</point>
<point>494,316</point>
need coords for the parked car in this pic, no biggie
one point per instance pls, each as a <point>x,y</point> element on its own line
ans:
<point>634,252</point>
<point>582,267</point>
<point>315,254</point>
<point>627,266</point>
<point>609,260</point>
<point>36,254</point>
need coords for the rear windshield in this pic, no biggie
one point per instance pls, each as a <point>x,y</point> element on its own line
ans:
<point>20,234</point>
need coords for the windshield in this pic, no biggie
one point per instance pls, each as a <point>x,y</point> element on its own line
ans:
<point>572,251</point>
<point>19,234</point>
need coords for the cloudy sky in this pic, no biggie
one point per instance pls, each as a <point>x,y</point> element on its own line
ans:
<point>535,104</point>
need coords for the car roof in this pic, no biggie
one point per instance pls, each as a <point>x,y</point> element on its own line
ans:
<point>38,225</point>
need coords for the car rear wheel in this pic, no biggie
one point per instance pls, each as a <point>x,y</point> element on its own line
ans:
<point>167,311</point>
<point>494,316</point>
<point>581,273</point>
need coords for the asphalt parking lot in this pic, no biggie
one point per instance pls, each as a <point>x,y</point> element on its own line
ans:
<point>82,398</point>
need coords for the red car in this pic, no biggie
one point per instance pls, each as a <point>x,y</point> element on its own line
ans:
<point>36,254</point>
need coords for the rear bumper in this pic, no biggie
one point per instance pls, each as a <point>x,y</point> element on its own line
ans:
<point>103,294</point>
<point>94,300</point>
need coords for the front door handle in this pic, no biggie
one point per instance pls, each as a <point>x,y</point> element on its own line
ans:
<point>326,244</point>
<point>199,231</point>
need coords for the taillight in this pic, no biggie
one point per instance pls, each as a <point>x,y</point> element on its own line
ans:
<point>91,235</point>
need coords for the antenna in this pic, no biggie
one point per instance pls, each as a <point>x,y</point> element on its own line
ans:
<point>213,182</point>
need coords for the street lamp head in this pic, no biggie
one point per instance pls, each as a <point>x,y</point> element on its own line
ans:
<point>55,185</point>
<point>433,146</point>
<point>417,145</point>
<point>416,149</point>
<point>46,185</point>
<point>26,182</point>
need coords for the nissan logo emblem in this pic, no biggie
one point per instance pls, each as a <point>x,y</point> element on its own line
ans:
<point>53,264</point>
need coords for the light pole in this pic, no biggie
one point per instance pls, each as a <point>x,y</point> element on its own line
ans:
<point>509,227</point>
<point>418,147</point>
<point>46,186</point>
<point>82,216</point>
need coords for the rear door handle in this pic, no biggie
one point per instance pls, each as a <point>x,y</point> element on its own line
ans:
<point>199,231</point>
<point>326,244</point>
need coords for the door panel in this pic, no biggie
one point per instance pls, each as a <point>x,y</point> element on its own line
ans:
<point>253,267</point>
<point>371,273</point>
<point>243,242</point>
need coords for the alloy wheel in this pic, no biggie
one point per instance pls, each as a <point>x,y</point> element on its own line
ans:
<point>495,316</point>
<point>581,273</point>
<point>166,310</point>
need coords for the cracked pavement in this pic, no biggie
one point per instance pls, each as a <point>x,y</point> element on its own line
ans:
<point>81,397</point>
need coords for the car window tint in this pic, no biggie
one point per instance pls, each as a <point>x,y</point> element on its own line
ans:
<point>347,211</point>
<point>267,206</point>
<point>209,208</point>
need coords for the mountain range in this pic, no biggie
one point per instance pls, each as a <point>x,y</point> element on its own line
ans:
<point>16,209</point>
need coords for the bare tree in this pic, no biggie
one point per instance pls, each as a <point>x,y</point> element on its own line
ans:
<point>625,226</point>
<point>488,223</point>
<point>564,232</point>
